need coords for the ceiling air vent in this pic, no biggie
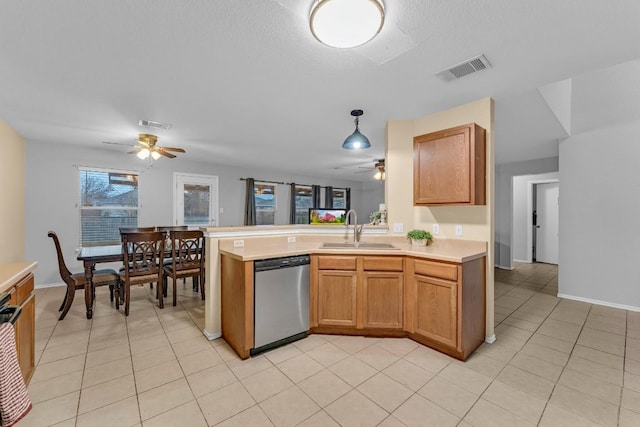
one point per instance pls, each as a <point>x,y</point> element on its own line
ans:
<point>157,125</point>
<point>467,67</point>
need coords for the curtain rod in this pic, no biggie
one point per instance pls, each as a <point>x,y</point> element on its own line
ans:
<point>263,180</point>
<point>289,183</point>
<point>321,186</point>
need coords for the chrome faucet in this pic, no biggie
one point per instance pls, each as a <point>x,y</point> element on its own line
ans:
<point>357,231</point>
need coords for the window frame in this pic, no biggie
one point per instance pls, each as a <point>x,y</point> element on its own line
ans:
<point>303,211</point>
<point>343,197</point>
<point>81,208</point>
<point>257,185</point>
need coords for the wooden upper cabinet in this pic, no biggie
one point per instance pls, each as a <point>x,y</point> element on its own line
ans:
<point>449,167</point>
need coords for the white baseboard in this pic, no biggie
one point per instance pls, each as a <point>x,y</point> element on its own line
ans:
<point>491,339</point>
<point>50,285</point>
<point>501,267</point>
<point>598,302</point>
<point>522,260</point>
<point>211,335</point>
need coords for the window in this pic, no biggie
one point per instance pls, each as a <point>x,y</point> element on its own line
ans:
<point>265,197</point>
<point>339,198</point>
<point>304,201</point>
<point>108,201</point>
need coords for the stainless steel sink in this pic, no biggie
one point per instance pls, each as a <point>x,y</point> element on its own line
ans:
<point>360,245</point>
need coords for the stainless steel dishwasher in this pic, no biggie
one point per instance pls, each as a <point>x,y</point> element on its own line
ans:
<point>281,301</point>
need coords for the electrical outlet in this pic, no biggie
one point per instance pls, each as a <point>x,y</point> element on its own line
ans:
<point>221,210</point>
<point>238,243</point>
<point>436,228</point>
<point>398,227</point>
<point>459,230</point>
<point>291,239</point>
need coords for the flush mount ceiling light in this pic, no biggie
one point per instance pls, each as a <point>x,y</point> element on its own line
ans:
<point>356,141</point>
<point>346,23</point>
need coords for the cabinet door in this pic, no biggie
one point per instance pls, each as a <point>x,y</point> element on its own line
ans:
<point>449,167</point>
<point>436,310</point>
<point>382,300</point>
<point>337,298</point>
<point>25,331</point>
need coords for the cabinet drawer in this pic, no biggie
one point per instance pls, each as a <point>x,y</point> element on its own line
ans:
<point>436,269</point>
<point>24,288</point>
<point>382,263</point>
<point>336,263</point>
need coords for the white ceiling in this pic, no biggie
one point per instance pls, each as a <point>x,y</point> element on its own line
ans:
<point>245,83</point>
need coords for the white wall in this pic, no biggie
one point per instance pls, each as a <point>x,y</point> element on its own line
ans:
<point>599,211</point>
<point>504,203</point>
<point>51,195</point>
<point>372,197</point>
<point>522,209</point>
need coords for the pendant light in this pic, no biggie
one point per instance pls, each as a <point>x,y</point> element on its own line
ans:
<point>346,23</point>
<point>356,141</point>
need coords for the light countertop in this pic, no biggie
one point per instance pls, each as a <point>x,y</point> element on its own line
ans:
<point>11,273</point>
<point>453,250</point>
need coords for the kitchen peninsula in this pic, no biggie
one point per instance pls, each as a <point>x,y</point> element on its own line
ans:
<point>435,294</point>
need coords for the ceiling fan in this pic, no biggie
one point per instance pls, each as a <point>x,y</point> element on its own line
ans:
<point>380,173</point>
<point>147,147</point>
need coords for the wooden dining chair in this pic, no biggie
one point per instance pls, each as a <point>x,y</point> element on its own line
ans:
<point>167,246</point>
<point>187,259</point>
<point>142,263</point>
<point>136,229</point>
<point>75,281</point>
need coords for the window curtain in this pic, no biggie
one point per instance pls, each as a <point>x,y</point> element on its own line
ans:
<point>250,203</point>
<point>347,202</point>
<point>328,197</point>
<point>292,203</point>
<point>315,195</point>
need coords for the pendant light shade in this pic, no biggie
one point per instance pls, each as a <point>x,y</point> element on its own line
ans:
<point>356,141</point>
<point>346,23</point>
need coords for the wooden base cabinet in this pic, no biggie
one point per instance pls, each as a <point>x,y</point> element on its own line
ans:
<point>382,299</point>
<point>337,293</point>
<point>22,295</point>
<point>447,303</point>
<point>356,294</point>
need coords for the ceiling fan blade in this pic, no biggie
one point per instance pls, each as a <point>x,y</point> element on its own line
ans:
<point>160,150</point>
<point>177,150</point>
<point>119,143</point>
<point>135,151</point>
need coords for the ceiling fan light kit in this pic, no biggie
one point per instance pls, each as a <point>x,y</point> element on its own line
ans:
<point>356,141</point>
<point>380,174</point>
<point>346,23</point>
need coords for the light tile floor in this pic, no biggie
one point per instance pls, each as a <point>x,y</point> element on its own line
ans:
<point>555,363</point>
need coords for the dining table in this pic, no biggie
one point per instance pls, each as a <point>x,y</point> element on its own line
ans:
<point>90,256</point>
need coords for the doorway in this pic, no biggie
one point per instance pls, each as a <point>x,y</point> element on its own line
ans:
<point>195,200</point>
<point>545,233</point>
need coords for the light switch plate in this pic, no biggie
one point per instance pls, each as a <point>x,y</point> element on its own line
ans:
<point>459,230</point>
<point>436,228</point>
<point>291,239</point>
<point>238,243</point>
<point>398,227</point>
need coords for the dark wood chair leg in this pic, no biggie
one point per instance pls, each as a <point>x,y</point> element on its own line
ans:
<point>201,283</point>
<point>127,298</point>
<point>111,292</point>
<point>64,301</point>
<point>175,299</point>
<point>68,300</point>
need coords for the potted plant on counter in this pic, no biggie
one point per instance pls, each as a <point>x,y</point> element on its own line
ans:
<point>419,237</point>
